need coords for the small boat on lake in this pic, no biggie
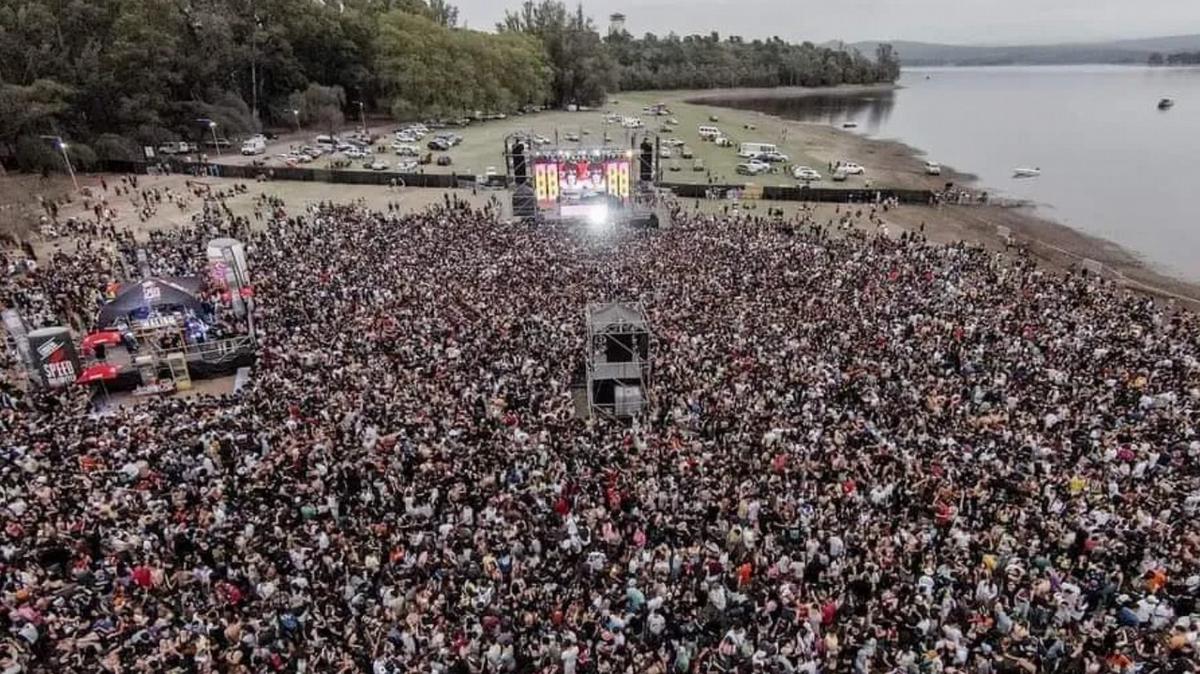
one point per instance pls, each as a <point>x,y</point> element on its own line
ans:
<point>850,125</point>
<point>1166,104</point>
<point>1027,172</point>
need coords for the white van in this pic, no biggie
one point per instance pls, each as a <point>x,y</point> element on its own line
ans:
<point>255,145</point>
<point>755,149</point>
<point>179,147</point>
<point>709,132</point>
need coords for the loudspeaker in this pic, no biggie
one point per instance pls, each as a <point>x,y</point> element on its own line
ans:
<point>647,162</point>
<point>643,221</point>
<point>518,160</point>
<point>524,201</point>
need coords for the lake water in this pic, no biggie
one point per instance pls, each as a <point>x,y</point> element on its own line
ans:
<point>1113,165</point>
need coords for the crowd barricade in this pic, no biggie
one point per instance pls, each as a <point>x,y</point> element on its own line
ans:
<point>816,194</point>
<point>291,173</point>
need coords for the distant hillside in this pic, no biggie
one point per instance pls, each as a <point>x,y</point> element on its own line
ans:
<point>1116,52</point>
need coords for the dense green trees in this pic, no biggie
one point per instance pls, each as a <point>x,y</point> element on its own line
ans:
<point>120,75</point>
<point>1181,58</point>
<point>147,70</point>
<point>585,67</point>
<point>707,61</point>
<point>582,67</point>
<point>426,68</point>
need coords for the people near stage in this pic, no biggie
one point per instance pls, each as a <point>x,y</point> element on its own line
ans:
<point>863,453</point>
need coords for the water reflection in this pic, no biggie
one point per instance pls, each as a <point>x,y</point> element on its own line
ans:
<point>871,110</point>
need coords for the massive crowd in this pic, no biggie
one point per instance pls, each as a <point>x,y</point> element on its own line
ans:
<point>862,454</point>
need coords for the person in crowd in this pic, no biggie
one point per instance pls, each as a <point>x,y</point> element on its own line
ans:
<point>862,453</point>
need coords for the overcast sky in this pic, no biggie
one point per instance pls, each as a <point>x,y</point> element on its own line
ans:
<point>953,21</point>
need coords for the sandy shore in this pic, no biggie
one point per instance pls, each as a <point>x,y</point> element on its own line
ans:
<point>703,96</point>
<point>890,163</point>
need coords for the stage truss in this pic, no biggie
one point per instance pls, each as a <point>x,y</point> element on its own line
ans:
<point>618,359</point>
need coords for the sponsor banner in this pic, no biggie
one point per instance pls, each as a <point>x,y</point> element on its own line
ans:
<point>57,361</point>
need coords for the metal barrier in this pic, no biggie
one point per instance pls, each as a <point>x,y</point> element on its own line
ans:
<point>210,352</point>
<point>293,173</point>
<point>818,194</point>
<point>219,351</point>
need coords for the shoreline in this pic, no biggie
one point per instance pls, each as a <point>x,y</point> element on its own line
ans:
<point>706,96</point>
<point>1057,244</point>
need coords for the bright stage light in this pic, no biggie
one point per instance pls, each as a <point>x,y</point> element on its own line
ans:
<point>598,218</point>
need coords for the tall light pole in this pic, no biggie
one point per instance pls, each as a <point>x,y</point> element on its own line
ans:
<point>62,147</point>
<point>362,116</point>
<point>212,126</point>
<point>296,115</point>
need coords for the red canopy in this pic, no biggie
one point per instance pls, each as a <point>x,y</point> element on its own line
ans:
<point>109,337</point>
<point>97,372</point>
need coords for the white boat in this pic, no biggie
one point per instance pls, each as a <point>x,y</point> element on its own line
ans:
<point>1027,172</point>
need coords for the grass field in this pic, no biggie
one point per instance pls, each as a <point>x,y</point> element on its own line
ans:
<point>888,164</point>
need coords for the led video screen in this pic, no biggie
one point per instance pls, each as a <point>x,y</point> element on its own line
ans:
<point>566,181</point>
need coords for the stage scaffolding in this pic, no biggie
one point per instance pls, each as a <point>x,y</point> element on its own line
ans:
<point>618,359</point>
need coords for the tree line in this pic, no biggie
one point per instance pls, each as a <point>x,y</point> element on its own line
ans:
<point>116,76</point>
<point>1183,58</point>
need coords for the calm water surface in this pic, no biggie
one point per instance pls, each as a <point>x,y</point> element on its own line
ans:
<point>1113,165</point>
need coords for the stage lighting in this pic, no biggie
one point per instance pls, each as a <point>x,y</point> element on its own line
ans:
<point>598,218</point>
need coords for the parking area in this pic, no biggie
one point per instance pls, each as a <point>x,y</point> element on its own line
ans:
<point>688,156</point>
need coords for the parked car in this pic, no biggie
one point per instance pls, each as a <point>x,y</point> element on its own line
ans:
<point>406,166</point>
<point>357,154</point>
<point>698,165</point>
<point>686,152</point>
<point>444,160</point>
<point>852,169</point>
<point>179,147</point>
<point>753,168</point>
<point>674,165</point>
<point>933,168</point>
<point>375,164</point>
<point>406,150</point>
<point>541,140</point>
<point>572,137</point>
<point>839,175</point>
<point>439,144</point>
<point>722,141</point>
<point>329,141</point>
<point>664,152</point>
<point>805,174</point>
<point>773,157</point>
<point>406,137</point>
